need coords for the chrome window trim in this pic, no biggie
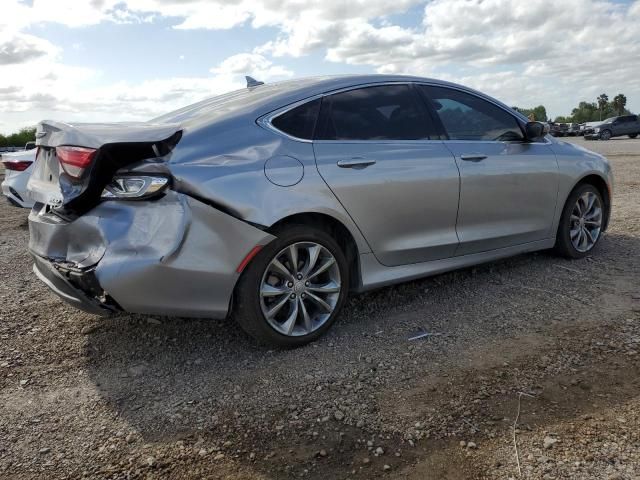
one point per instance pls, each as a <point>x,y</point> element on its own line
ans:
<point>266,120</point>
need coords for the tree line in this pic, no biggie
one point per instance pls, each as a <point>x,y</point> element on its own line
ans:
<point>601,109</point>
<point>19,138</point>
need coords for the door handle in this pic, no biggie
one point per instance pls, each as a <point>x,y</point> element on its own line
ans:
<point>473,157</point>
<point>356,162</point>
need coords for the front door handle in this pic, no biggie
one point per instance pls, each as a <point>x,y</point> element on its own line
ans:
<point>356,162</point>
<point>473,157</point>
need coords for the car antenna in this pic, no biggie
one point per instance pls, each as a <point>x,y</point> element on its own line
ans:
<point>252,82</point>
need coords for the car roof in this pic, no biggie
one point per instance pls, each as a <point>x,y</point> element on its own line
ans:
<point>268,97</point>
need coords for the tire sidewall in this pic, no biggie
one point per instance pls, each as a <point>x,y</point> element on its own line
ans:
<point>563,240</point>
<point>247,308</point>
<point>607,136</point>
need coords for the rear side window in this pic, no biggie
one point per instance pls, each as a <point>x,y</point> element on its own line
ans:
<point>300,121</point>
<point>468,117</point>
<point>388,112</point>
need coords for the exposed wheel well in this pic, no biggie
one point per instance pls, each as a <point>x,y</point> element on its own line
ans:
<point>598,182</point>
<point>335,228</point>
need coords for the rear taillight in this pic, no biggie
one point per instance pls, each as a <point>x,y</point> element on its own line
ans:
<point>16,166</point>
<point>74,160</point>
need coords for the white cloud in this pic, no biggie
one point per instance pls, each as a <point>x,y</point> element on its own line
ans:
<point>22,48</point>
<point>525,53</point>
<point>252,64</point>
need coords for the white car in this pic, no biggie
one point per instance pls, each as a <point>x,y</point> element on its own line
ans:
<point>17,170</point>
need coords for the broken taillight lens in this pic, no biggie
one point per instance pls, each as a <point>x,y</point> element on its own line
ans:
<point>74,160</point>
<point>19,166</point>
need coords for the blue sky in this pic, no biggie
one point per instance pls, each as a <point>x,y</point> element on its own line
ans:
<point>110,60</point>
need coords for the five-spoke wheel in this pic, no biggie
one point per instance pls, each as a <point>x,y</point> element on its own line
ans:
<point>300,288</point>
<point>586,221</point>
<point>581,222</point>
<point>292,291</point>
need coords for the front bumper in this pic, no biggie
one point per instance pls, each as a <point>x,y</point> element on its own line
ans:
<point>592,136</point>
<point>173,256</point>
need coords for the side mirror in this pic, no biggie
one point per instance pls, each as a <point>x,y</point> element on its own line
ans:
<point>535,130</point>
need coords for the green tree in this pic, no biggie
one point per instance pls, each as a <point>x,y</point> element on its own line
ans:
<point>618,103</point>
<point>539,112</point>
<point>603,103</point>
<point>18,139</point>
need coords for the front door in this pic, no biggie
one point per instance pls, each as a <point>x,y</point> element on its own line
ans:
<point>508,187</point>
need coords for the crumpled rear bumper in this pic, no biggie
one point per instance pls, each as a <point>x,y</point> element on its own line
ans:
<point>172,256</point>
<point>60,283</point>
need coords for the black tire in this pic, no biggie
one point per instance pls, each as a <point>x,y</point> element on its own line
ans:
<point>564,247</point>
<point>605,135</point>
<point>633,135</point>
<point>247,310</point>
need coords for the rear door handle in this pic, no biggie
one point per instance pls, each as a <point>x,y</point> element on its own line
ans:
<point>356,162</point>
<point>473,157</point>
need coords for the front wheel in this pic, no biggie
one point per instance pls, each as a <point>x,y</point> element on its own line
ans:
<point>605,135</point>
<point>581,222</point>
<point>293,290</point>
<point>633,135</point>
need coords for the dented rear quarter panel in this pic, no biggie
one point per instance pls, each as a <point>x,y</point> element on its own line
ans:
<point>225,164</point>
<point>172,256</point>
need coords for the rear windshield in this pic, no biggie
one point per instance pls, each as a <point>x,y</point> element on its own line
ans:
<point>228,103</point>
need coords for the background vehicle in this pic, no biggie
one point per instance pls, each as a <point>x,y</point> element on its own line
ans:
<point>278,200</point>
<point>17,170</point>
<point>558,129</point>
<point>573,129</point>
<point>614,127</point>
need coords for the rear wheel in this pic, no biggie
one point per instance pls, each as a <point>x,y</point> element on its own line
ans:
<point>633,135</point>
<point>605,135</point>
<point>293,290</point>
<point>581,222</point>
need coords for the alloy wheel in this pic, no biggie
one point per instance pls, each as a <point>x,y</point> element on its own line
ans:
<point>585,222</point>
<point>300,288</point>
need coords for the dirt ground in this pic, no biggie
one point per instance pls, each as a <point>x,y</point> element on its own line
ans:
<point>551,343</point>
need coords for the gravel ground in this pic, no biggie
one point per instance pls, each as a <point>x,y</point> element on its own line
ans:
<point>139,397</point>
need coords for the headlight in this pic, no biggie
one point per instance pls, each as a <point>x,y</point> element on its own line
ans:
<point>596,130</point>
<point>134,187</point>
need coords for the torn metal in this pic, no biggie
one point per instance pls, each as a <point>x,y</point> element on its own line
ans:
<point>177,254</point>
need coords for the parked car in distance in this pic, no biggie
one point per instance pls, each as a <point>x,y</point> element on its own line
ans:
<point>573,129</point>
<point>614,127</point>
<point>274,202</point>
<point>558,129</point>
<point>17,170</point>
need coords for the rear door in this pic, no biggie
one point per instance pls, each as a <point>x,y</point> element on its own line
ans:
<point>509,187</point>
<point>377,149</point>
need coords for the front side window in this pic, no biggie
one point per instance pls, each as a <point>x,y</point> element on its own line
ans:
<point>468,117</point>
<point>300,121</point>
<point>387,112</point>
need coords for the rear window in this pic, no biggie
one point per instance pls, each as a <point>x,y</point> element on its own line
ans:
<point>300,121</point>
<point>388,112</point>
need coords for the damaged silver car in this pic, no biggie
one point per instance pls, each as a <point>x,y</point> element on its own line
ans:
<point>272,203</point>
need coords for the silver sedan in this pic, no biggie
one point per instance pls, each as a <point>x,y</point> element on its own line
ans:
<point>273,202</point>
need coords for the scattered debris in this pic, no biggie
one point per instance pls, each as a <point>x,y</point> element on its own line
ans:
<point>422,333</point>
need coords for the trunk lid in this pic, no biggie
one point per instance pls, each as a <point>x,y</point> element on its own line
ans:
<point>116,145</point>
